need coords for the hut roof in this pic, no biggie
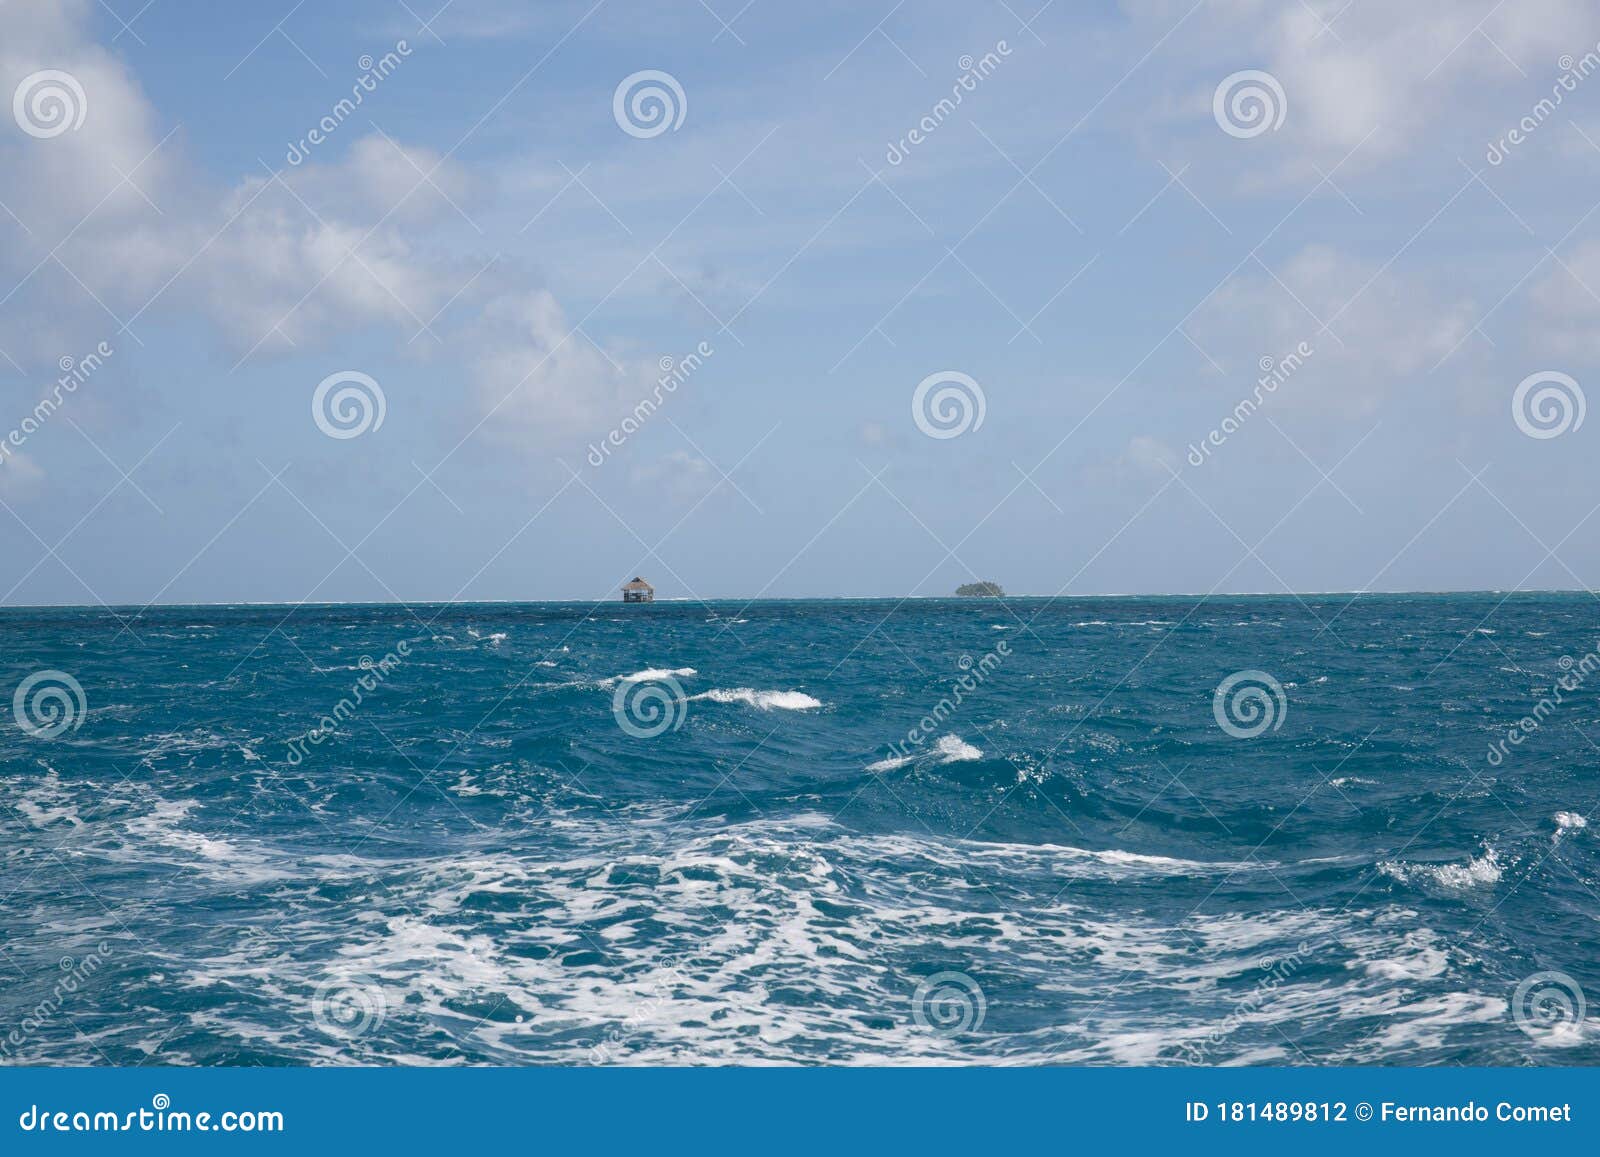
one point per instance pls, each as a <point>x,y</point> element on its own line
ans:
<point>638,584</point>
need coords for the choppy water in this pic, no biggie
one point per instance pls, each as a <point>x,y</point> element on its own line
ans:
<point>1077,863</point>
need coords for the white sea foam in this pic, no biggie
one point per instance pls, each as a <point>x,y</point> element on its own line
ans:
<point>650,675</point>
<point>948,749</point>
<point>48,802</point>
<point>219,859</point>
<point>1476,872</point>
<point>891,763</point>
<point>765,700</point>
<point>954,749</point>
<point>1418,956</point>
<point>593,940</point>
<point>1567,822</point>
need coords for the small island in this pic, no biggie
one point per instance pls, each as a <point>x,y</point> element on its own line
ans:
<point>980,590</point>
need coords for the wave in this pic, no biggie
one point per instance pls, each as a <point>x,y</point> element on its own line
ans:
<point>765,700</point>
<point>954,749</point>
<point>948,749</point>
<point>1567,822</point>
<point>1477,871</point>
<point>891,763</point>
<point>650,675</point>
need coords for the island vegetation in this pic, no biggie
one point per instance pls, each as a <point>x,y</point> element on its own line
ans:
<point>980,590</point>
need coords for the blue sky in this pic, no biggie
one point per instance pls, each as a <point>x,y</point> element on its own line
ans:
<point>1101,247</point>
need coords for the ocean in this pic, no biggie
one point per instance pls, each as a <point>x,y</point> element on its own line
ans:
<point>1089,831</point>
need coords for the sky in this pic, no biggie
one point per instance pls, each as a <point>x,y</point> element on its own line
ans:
<point>772,300</point>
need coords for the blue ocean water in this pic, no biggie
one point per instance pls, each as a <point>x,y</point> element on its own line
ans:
<point>932,831</point>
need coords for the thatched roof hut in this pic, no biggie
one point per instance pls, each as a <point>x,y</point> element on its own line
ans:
<point>638,591</point>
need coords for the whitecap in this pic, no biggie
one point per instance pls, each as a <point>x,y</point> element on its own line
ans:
<point>890,763</point>
<point>766,700</point>
<point>1484,869</point>
<point>956,750</point>
<point>650,675</point>
<point>1567,822</point>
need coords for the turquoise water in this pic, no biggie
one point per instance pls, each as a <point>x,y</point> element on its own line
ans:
<point>832,831</point>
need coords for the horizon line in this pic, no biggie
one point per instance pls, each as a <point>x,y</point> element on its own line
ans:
<point>695,600</point>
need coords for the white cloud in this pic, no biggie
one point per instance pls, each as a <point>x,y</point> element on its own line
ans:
<point>20,476</point>
<point>534,376</point>
<point>1384,326</point>
<point>276,261</point>
<point>1564,306</point>
<point>1391,78</point>
<point>1149,455</point>
<point>682,476</point>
